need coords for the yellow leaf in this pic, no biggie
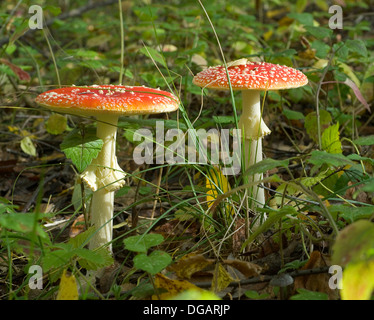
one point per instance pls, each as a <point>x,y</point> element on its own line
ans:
<point>189,264</point>
<point>216,184</point>
<point>358,281</point>
<point>221,278</point>
<point>56,124</point>
<point>28,147</point>
<point>173,287</point>
<point>68,287</point>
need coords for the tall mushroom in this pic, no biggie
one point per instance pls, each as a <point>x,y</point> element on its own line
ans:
<point>106,103</point>
<point>251,78</point>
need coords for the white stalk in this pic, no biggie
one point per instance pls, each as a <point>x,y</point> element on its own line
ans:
<point>104,176</point>
<point>254,129</point>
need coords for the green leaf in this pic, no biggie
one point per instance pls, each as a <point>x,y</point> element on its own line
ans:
<point>304,294</point>
<point>81,149</point>
<point>352,214</point>
<point>304,18</point>
<point>94,260</point>
<point>57,258</point>
<point>319,32</point>
<point>311,123</point>
<point>293,115</point>
<point>154,55</point>
<point>320,158</point>
<point>365,141</point>
<point>252,294</point>
<point>331,139</point>
<point>22,222</point>
<point>356,46</point>
<point>56,124</point>
<point>265,165</point>
<point>224,119</point>
<point>154,263</point>
<point>142,243</point>
<point>80,240</point>
<point>272,219</point>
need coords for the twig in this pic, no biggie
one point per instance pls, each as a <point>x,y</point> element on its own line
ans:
<point>268,278</point>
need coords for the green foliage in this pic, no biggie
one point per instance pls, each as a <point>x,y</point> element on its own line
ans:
<point>320,163</point>
<point>153,263</point>
<point>81,148</point>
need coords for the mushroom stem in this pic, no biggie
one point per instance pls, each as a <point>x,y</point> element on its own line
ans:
<point>104,176</point>
<point>254,129</point>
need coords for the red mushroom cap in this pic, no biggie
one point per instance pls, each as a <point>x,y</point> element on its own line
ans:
<point>108,99</point>
<point>246,75</point>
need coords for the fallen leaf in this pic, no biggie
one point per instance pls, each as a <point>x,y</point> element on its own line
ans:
<point>221,278</point>
<point>68,287</point>
<point>248,269</point>
<point>173,287</point>
<point>315,282</point>
<point>190,264</point>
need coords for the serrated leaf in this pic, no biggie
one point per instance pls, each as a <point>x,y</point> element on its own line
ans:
<point>311,123</point>
<point>142,243</point>
<point>266,165</point>
<point>28,147</point>
<point>94,260</point>
<point>81,149</point>
<point>319,32</point>
<point>331,139</point>
<point>81,239</point>
<point>56,258</point>
<point>154,263</point>
<point>357,46</point>
<point>365,141</point>
<point>68,289</point>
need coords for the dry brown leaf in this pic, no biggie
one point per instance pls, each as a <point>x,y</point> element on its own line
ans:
<point>248,269</point>
<point>77,227</point>
<point>315,282</point>
<point>173,287</point>
<point>190,264</point>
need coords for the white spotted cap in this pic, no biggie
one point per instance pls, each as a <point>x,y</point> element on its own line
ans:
<point>247,75</point>
<point>108,99</point>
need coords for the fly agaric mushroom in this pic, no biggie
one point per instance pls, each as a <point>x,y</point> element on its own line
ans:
<point>106,103</point>
<point>251,78</point>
